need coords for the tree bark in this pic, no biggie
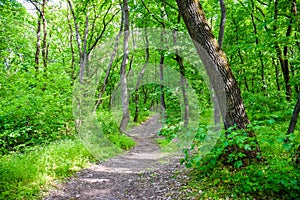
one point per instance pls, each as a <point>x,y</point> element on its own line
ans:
<point>294,117</point>
<point>276,74</point>
<point>222,23</point>
<point>179,60</point>
<point>38,44</point>
<point>161,76</point>
<point>136,115</point>
<point>264,86</point>
<point>292,127</point>
<point>183,83</point>
<point>72,48</point>
<point>124,93</point>
<point>44,44</point>
<point>216,65</point>
<point>284,63</point>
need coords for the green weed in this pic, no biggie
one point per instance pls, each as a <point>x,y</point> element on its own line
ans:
<point>27,175</point>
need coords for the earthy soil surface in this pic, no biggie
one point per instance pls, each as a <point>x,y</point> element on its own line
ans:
<point>141,173</point>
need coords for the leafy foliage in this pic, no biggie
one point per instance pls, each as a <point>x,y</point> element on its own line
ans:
<point>276,176</point>
<point>36,106</point>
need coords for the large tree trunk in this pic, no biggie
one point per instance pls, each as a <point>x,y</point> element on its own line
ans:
<point>125,101</point>
<point>216,65</point>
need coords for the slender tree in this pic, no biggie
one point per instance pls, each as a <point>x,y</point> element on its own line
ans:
<point>124,93</point>
<point>282,54</point>
<point>140,77</point>
<point>292,127</point>
<point>112,58</point>
<point>222,23</point>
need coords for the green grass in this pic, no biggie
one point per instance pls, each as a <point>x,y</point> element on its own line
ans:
<point>29,174</point>
<point>162,142</point>
<point>275,177</point>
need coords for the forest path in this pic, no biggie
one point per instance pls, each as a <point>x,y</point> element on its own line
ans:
<point>141,173</point>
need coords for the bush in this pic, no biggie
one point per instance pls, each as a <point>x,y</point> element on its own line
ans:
<point>33,111</point>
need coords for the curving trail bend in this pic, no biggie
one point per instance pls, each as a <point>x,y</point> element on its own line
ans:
<point>141,173</point>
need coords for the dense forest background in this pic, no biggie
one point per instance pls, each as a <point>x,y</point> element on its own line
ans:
<point>44,53</point>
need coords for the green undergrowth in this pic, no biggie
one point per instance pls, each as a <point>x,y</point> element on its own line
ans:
<point>276,176</point>
<point>25,175</point>
<point>29,174</point>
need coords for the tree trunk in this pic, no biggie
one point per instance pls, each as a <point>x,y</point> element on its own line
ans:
<point>136,115</point>
<point>38,44</point>
<point>276,74</point>
<point>222,23</point>
<point>183,83</point>
<point>294,117</point>
<point>292,127</point>
<point>124,93</point>
<point>44,44</point>
<point>72,48</point>
<point>112,57</point>
<point>284,63</point>
<point>216,65</point>
<point>264,86</point>
<point>217,114</point>
<point>161,75</point>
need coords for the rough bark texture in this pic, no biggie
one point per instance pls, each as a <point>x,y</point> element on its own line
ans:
<point>220,75</point>
<point>215,63</point>
<point>125,102</point>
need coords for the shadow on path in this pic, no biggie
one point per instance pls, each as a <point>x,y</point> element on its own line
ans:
<point>141,173</point>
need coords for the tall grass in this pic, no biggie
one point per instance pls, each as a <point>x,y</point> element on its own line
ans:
<point>29,174</point>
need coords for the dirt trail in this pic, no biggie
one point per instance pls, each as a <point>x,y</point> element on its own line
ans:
<point>142,173</point>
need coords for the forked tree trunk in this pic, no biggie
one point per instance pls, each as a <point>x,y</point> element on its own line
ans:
<point>216,65</point>
<point>124,93</point>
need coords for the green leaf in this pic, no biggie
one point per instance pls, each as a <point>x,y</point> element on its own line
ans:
<point>238,164</point>
<point>247,147</point>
